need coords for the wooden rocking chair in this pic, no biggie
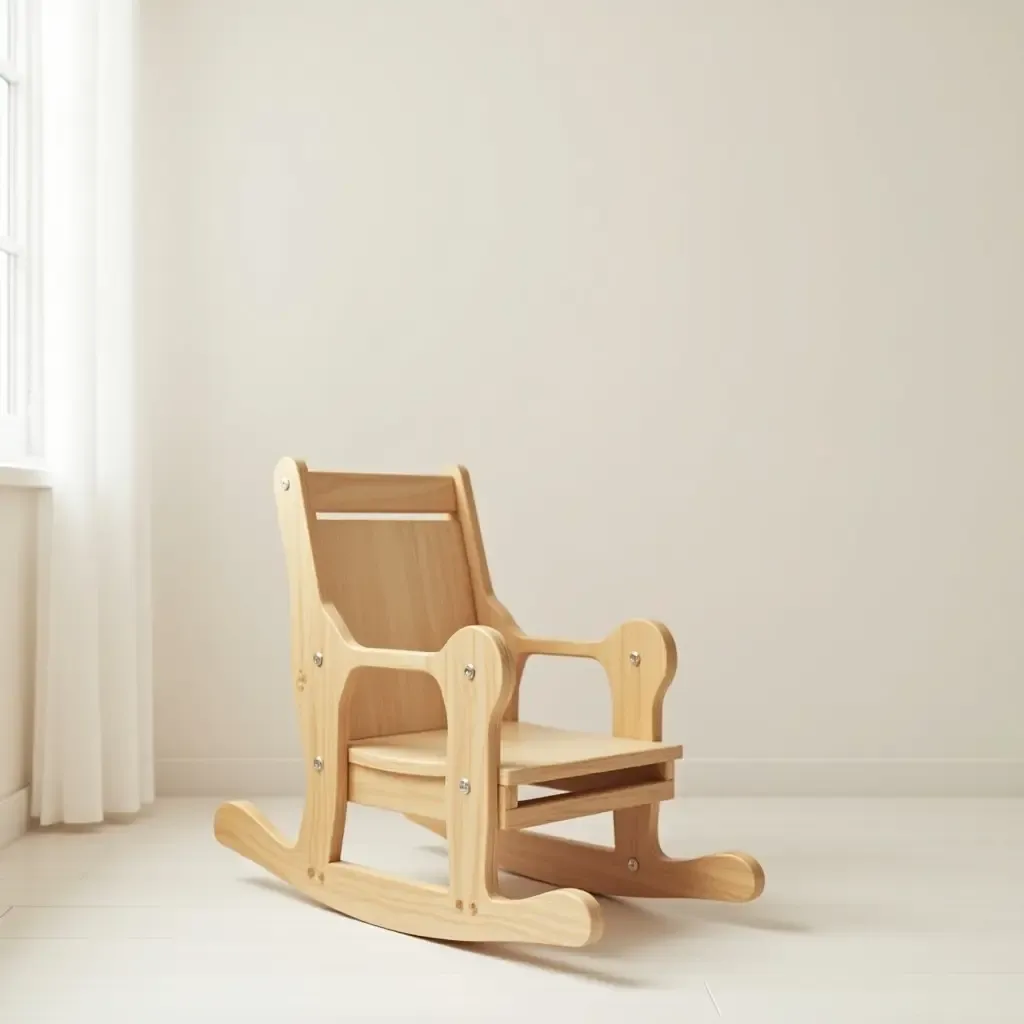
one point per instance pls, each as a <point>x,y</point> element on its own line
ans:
<point>406,670</point>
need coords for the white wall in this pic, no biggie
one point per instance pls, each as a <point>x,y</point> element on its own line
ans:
<point>17,653</point>
<point>722,303</point>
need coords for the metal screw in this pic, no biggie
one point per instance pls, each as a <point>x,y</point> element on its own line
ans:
<point>318,659</point>
<point>464,786</point>
<point>634,657</point>
<point>472,908</point>
<point>318,764</point>
<point>458,904</point>
<point>633,864</point>
<point>286,484</point>
<point>469,672</point>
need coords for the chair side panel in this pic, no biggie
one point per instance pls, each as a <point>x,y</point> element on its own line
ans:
<point>397,583</point>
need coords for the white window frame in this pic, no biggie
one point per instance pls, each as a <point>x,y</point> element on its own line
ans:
<point>20,406</point>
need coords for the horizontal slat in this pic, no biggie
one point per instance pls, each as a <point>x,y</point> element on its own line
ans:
<point>563,806</point>
<point>613,779</point>
<point>396,792</point>
<point>373,492</point>
<point>410,794</point>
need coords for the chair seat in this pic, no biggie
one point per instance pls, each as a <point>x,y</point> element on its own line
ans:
<point>530,754</point>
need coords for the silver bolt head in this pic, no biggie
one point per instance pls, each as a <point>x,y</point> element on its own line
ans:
<point>286,484</point>
<point>469,672</point>
<point>318,659</point>
<point>634,657</point>
<point>633,864</point>
<point>464,786</point>
<point>318,764</point>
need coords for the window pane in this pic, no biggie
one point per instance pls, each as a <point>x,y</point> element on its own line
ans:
<point>6,348</point>
<point>5,157</point>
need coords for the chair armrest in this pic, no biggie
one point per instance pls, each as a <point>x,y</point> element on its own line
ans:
<point>391,658</point>
<point>468,650</point>
<point>528,645</point>
<point>639,659</point>
<point>633,643</point>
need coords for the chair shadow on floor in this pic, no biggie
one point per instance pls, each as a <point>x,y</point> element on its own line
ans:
<point>576,962</point>
<point>630,923</point>
<point>631,926</point>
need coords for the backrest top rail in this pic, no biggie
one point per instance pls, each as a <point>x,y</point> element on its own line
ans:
<point>380,492</point>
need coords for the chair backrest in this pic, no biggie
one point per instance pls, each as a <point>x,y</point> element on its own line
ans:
<point>390,555</point>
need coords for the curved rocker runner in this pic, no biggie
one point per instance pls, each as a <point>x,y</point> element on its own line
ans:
<point>420,715</point>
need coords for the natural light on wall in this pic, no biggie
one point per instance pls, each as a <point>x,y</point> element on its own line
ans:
<point>17,434</point>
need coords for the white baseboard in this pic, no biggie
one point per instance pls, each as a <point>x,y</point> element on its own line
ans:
<point>779,777</point>
<point>13,816</point>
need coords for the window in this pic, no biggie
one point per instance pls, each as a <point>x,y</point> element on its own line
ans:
<point>16,364</point>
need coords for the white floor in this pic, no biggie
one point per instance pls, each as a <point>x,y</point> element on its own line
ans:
<point>873,911</point>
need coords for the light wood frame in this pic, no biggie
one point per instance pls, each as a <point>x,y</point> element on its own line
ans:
<point>482,818</point>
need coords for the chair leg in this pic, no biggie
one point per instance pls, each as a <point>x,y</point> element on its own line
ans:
<point>476,912</point>
<point>729,877</point>
<point>565,917</point>
<point>635,866</point>
<point>561,917</point>
<point>470,908</point>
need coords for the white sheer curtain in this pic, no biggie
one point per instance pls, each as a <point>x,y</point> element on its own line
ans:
<point>93,753</point>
